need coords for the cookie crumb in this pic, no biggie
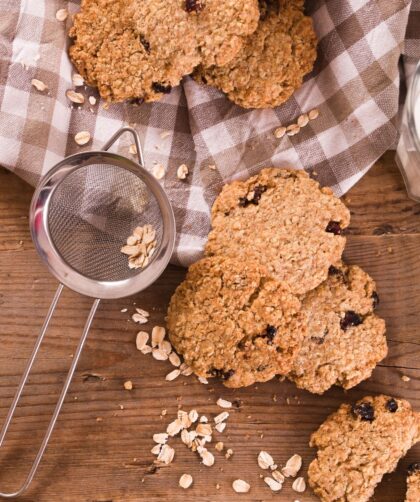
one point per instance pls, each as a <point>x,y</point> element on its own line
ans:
<point>128,385</point>
<point>92,100</point>
<point>132,149</point>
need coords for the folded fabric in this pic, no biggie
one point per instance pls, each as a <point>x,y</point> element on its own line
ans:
<point>355,85</point>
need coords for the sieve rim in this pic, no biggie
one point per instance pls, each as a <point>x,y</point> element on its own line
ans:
<point>65,273</point>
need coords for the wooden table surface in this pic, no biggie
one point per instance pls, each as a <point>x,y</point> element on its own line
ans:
<point>100,452</point>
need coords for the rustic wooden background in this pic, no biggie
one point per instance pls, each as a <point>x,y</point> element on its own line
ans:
<point>106,460</point>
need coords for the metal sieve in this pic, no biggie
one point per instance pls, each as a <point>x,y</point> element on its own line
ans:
<point>80,216</point>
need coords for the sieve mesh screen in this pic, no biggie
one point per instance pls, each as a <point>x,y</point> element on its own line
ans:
<point>93,211</point>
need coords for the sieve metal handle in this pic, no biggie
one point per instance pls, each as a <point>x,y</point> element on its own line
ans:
<point>63,391</point>
<point>134,133</point>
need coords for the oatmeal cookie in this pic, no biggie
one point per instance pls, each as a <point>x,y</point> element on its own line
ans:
<point>345,339</point>
<point>413,483</point>
<point>230,319</point>
<point>274,60</point>
<point>139,49</point>
<point>358,444</point>
<point>282,216</point>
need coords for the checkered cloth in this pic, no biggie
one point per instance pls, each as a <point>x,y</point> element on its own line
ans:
<point>355,85</point>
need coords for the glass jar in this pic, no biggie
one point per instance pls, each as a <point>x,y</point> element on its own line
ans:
<point>408,150</point>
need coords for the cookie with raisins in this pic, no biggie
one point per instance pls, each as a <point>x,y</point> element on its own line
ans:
<point>230,319</point>
<point>358,444</point>
<point>284,218</point>
<point>346,340</point>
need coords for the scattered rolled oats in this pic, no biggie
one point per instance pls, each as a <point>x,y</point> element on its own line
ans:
<point>229,453</point>
<point>292,466</point>
<point>221,417</point>
<point>220,427</point>
<point>204,430</point>
<point>132,149</point>
<point>123,310</point>
<point>182,172</point>
<point>174,359</point>
<point>278,476</point>
<point>299,485</point>
<point>172,375</point>
<point>158,335</point>
<point>166,454</point>
<point>274,485</point>
<point>82,138</point>
<point>92,100</point>
<point>140,319</point>
<point>156,449</point>
<point>265,460</point>
<point>185,437</point>
<point>405,378</point>
<point>313,114</point>
<point>185,370</point>
<point>206,456</point>
<point>166,347</point>
<point>193,415</point>
<point>165,134</point>
<point>75,97</point>
<point>160,438</point>
<point>158,171</point>
<point>280,132</point>
<point>219,446</point>
<point>203,419</point>
<point>292,129</point>
<point>185,419</point>
<point>77,80</point>
<point>185,481</point>
<point>241,486</point>
<point>223,403</point>
<point>303,120</point>
<point>147,349</point>
<point>61,14</point>
<point>203,380</point>
<point>159,354</point>
<point>141,339</point>
<point>174,427</point>
<point>128,385</point>
<point>39,85</point>
<point>142,312</point>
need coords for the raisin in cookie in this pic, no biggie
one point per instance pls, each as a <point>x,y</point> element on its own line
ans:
<point>413,483</point>
<point>358,444</point>
<point>139,49</point>
<point>345,339</point>
<point>231,319</point>
<point>283,217</point>
<point>274,60</point>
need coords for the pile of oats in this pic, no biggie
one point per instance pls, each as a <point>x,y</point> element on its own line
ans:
<point>140,246</point>
<point>195,432</point>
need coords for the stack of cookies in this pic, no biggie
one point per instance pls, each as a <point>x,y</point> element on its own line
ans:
<point>272,296</point>
<point>256,51</point>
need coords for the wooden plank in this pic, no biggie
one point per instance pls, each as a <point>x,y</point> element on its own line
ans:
<point>90,460</point>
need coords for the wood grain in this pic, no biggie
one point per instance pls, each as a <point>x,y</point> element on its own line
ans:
<point>106,460</point>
